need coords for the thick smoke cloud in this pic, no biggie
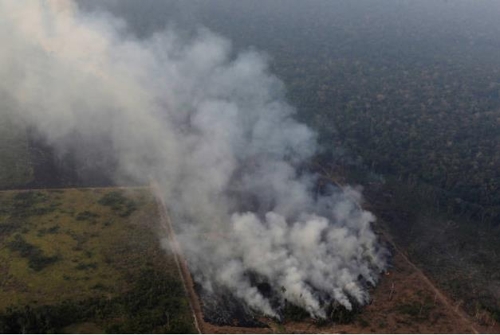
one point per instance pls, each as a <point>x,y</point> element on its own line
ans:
<point>214,131</point>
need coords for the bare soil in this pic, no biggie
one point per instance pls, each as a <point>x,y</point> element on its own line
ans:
<point>405,301</point>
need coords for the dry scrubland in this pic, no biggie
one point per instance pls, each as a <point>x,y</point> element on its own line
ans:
<point>86,260</point>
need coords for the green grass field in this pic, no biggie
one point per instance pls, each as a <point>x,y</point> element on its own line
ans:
<point>86,260</point>
<point>15,165</point>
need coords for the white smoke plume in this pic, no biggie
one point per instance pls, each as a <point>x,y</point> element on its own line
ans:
<point>214,131</point>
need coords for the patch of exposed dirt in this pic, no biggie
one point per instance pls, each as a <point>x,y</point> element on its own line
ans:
<point>405,301</point>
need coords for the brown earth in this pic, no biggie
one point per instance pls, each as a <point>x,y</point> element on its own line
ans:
<point>405,301</point>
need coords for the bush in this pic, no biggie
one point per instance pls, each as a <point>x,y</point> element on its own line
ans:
<point>8,227</point>
<point>51,230</point>
<point>294,313</point>
<point>155,304</point>
<point>86,266</point>
<point>42,319</point>
<point>86,215</point>
<point>416,310</point>
<point>36,259</point>
<point>24,204</point>
<point>363,323</point>
<point>339,314</point>
<point>118,203</point>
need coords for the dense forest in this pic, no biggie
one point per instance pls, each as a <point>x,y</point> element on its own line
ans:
<point>409,103</point>
<point>409,89</point>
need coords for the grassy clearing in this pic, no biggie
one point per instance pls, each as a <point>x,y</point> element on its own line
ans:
<point>76,260</point>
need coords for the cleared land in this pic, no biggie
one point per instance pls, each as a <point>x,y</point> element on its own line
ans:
<point>404,302</point>
<point>87,260</point>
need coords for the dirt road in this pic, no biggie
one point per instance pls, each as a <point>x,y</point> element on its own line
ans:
<point>194,302</point>
<point>461,315</point>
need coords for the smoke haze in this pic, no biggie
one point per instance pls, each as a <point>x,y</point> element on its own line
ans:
<point>213,130</point>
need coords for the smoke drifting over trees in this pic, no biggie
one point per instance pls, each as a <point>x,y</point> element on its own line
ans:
<point>214,131</point>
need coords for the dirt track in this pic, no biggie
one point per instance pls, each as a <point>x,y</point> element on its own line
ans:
<point>194,302</point>
<point>438,294</point>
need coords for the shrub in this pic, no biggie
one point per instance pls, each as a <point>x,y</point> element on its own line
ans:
<point>118,203</point>
<point>155,304</point>
<point>294,313</point>
<point>51,230</point>
<point>36,259</point>
<point>86,266</point>
<point>86,215</point>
